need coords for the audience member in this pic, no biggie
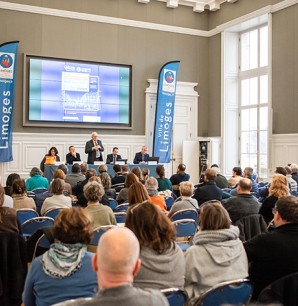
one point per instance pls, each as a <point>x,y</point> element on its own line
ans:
<point>58,199</point>
<point>63,168</point>
<point>137,171</point>
<point>163,182</point>
<point>8,216</point>
<point>291,181</point>
<point>244,203</point>
<point>152,188</point>
<point>279,187</point>
<point>162,260</point>
<point>123,194</point>
<point>101,214</point>
<point>217,255</point>
<point>50,158</point>
<point>75,176</point>
<point>116,263</point>
<point>112,158</point>
<point>82,201</point>
<point>145,174</point>
<point>185,201</point>
<point>65,271</point>
<point>106,183</point>
<point>236,176</point>
<point>101,169</point>
<point>36,180</point>
<point>248,173</point>
<point>19,195</point>
<point>84,168</point>
<point>61,175</point>
<point>274,254</point>
<point>11,177</point>
<point>180,176</point>
<point>141,157</point>
<point>119,177</point>
<point>208,191</point>
<point>220,180</point>
<point>137,193</point>
<point>72,156</point>
<point>78,189</point>
<point>125,170</point>
<point>294,169</point>
<point>94,149</point>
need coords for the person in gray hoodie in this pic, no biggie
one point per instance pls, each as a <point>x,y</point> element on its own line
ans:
<point>217,254</point>
<point>162,260</point>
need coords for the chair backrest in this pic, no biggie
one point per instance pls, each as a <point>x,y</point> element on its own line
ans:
<point>53,213</point>
<point>190,213</point>
<point>169,202</point>
<point>39,190</point>
<point>30,226</point>
<point>112,203</point>
<point>120,216</point>
<point>251,226</point>
<point>283,291</point>
<point>25,214</point>
<point>98,232</point>
<point>237,292</point>
<point>185,228</point>
<point>121,207</point>
<point>175,296</point>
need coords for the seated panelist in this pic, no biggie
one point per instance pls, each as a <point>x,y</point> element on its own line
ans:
<point>112,158</point>
<point>141,157</point>
<point>72,156</point>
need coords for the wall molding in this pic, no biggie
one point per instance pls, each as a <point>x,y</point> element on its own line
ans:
<point>141,24</point>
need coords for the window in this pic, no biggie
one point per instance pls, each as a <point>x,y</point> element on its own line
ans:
<point>253,99</point>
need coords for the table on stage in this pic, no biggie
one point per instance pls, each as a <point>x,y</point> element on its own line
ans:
<point>50,169</point>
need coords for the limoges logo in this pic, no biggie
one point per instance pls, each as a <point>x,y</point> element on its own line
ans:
<point>169,81</point>
<point>6,65</point>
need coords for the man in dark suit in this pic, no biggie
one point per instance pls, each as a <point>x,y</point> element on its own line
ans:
<point>112,158</point>
<point>141,157</point>
<point>72,156</point>
<point>94,148</point>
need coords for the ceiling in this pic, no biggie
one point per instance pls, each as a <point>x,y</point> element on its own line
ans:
<point>197,5</point>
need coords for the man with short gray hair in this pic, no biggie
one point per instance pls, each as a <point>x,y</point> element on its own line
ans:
<point>244,203</point>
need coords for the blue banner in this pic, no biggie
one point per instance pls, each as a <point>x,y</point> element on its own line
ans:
<point>8,60</point>
<point>164,114</point>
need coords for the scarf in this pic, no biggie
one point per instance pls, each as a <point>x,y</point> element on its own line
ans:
<point>203,237</point>
<point>62,260</point>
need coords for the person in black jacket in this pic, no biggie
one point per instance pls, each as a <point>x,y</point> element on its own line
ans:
<point>72,156</point>
<point>274,254</point>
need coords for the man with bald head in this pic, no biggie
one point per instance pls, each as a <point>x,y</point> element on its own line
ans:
<point>244,203</point>
<point>116,263</point>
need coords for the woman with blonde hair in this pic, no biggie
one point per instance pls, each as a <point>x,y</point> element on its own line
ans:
<point>57,275</point>
<point>107,183</point>
<point>162,260</point>
<point>279,187</point>
<point>217,255</point>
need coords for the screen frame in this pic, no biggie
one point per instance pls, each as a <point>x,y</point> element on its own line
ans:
<point>71,125</point>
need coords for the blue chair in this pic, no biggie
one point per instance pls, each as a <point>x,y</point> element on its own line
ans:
<point>39,190</point>
<point>283,291</point>
<point>186,229</point>
<point>121,207</point>
<point>42,242</point>
<point>190,213</point>
<point>53,213</point>
<point>25,214</point>
<point>175,296</point>
<point>112,203</point>
<point>169,202</point>
<point>30,226</point>
<point>98,232</point>
<point>120,216</point>
<point>237,292</point>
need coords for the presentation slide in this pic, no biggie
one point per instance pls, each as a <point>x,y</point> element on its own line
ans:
<point>64,91</point>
